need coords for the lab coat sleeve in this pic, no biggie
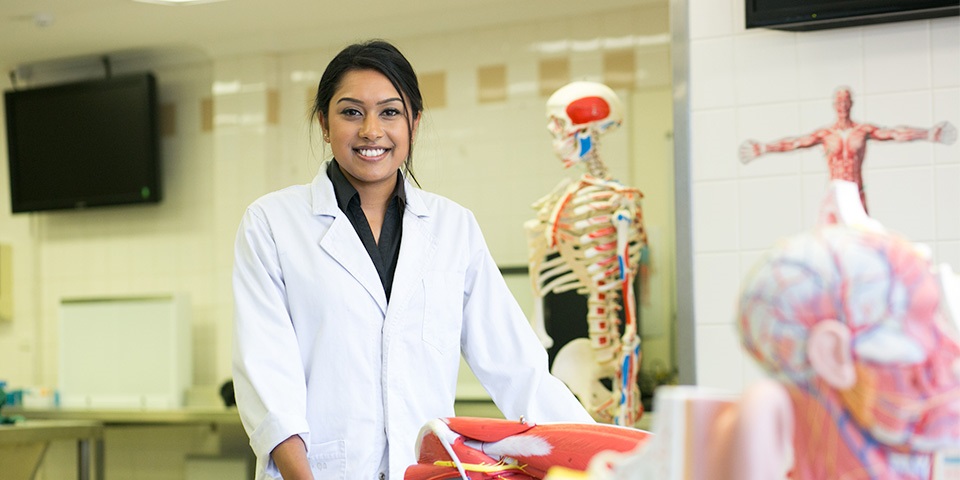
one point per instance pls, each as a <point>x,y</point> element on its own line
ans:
<point>502,349</point>
<point>268,371</point>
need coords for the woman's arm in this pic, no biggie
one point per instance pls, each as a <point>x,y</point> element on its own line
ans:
<point>267,366</point>
<point>290,456</point>
<point>502,349</point>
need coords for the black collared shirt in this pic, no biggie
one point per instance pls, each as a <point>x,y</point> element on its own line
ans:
<point>384,253</point>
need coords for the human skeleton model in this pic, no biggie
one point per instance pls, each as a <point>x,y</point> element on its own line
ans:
<point>860,333</point>
<point>587,236</point>
<point>845,142</point>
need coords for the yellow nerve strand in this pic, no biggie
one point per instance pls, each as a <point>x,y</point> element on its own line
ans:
<point>481,467</point>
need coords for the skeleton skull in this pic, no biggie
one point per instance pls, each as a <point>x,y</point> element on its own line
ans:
<point>579,112</point>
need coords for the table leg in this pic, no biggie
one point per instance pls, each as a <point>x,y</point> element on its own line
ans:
<point>90,463</point>
<point>101,466</point>
<point>83,459</point>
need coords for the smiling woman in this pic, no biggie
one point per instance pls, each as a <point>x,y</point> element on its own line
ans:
<point>331,339</point>
<point>370,135</point>
<point>370,129</point>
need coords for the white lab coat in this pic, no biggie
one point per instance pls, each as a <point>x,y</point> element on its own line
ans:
<point>318,351</point>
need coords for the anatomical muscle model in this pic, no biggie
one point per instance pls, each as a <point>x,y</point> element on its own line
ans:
<point>845,142</point>
<point>587,236</point>
<point>856,325</point>
<point>487,448</point>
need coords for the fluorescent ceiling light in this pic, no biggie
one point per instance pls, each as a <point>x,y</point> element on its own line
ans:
<point>177,2</point>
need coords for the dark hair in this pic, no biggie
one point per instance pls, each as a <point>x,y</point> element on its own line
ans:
<point>383,57</point>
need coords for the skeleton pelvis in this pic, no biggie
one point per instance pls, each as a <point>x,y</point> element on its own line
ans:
<point>576,365</point>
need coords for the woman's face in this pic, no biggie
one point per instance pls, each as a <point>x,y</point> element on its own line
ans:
<point>368,130</point>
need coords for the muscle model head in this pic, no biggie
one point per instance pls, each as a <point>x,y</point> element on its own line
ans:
<point>842,102</point>
<point>856,324</point>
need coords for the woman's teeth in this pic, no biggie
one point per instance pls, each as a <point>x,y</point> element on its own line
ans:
<point>371,152</point>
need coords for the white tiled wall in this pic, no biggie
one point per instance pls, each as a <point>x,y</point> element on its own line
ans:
<point>765,85</point>
<point>494,158</point>
<point>760,84</point>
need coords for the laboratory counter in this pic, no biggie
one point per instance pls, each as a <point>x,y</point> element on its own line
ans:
<point>23,444</point>
<point>199,434</point>
<point>111,417</point>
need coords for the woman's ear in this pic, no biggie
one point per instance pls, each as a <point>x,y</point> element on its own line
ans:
<point>416,126</point>
<point>324,128</point>
<point>829,351</point>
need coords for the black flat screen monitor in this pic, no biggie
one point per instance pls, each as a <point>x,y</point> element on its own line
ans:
<point>84,144</point>
<point>803,15</point>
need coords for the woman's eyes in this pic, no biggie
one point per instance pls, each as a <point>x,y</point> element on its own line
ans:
<point>353,112</point>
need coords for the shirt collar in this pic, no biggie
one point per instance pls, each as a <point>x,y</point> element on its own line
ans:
<point>345,192</point>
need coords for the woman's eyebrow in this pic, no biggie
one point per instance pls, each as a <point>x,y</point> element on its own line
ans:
<point>381,102</point>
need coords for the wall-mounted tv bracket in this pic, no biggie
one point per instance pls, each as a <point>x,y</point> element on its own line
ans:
<point>106,66</point>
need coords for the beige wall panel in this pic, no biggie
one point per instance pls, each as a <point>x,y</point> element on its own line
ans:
<point>492,84</point>
<point>619,69</point>
<point>206,114</point>
<point>553,74</point>
<point>273,107</point>
<point>433,86</point>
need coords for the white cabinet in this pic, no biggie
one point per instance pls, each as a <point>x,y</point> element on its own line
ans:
<point>125,352</point>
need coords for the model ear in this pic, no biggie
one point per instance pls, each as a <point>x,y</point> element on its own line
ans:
<point>828,349</point>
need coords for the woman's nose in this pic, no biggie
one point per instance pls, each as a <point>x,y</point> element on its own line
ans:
<point>371,130</point>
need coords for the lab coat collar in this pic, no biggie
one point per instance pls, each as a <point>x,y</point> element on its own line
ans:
<point>342,243</point>
<point>323,196</point>
<point>325,199</point>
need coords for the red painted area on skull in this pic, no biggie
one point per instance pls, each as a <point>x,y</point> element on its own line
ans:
<point>588,109</point>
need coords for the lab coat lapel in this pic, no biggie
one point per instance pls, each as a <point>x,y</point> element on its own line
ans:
<point>342,242</point>
<point>417,247</point>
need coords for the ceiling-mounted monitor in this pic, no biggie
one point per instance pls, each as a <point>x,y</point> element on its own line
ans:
<point>803,15</point>
<point>84,144</point>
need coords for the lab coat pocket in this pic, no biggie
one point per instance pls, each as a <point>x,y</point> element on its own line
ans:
<point>328,460</point>
<point>443,310</point>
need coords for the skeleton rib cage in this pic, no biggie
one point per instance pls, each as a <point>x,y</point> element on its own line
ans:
<point>574,243</point>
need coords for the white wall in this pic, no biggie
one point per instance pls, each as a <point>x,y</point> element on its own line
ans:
<point>495,158</point>
<point>765,85</point>
<point>744,84</point>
